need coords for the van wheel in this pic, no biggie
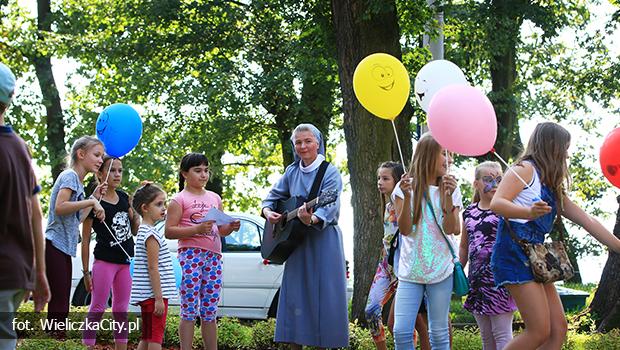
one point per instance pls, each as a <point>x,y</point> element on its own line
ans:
<point>273,309</point>
<point>80,297</point>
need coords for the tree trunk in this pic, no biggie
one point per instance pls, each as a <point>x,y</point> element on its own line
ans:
<point>605,306</point>
<point>315,107</point>
<point>55,122</point>
<point>503,32</point>
<point>360,32</point>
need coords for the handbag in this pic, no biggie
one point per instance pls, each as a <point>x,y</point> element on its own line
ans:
<point>393,247</point>
<point>549,261</point>
<point>460,285</point>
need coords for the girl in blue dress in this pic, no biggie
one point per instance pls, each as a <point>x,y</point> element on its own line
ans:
<point>531,211</point>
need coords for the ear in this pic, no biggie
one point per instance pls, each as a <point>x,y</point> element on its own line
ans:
<point>184,174</point>
<point>81,154</point>
<point>143,208</point>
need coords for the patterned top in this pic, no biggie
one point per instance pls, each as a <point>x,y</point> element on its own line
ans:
<point>117,234</point>
<point>483,297</point>
<point>141,288</point>
<point>64,230</point>
<point>390,226</point>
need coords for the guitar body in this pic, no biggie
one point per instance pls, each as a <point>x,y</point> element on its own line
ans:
<point>281,239</point>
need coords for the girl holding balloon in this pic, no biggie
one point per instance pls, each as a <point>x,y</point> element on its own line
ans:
<point>530,212</point>
<point>113,252</point>
<point>68,208</point>
<point>385,282</point>
<point>427,197</point>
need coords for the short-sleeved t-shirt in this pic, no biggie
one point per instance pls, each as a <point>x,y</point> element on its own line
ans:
<point>194,207</point>
<point>424,254</point>
<point>141,288</point>
<point>64,230</point>
<point>117,219</point>
<point>17,186</point>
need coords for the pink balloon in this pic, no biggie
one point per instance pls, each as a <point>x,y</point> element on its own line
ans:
<point>462,119</point>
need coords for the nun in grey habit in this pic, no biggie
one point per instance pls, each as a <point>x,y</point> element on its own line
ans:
<point>312,309</point>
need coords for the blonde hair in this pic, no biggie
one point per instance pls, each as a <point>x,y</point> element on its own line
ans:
<point>478,175</point>
<point>422,171</point>
<point>548,149</point>
<point>84,143</point>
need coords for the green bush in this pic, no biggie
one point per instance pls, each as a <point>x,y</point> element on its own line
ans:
<point>171,332</point>
<point>262,335</point>
<point>45,344</point>
<point>360,338</point>
<point>607,341</point>
<point>233,335</point>
<point>466,339</point>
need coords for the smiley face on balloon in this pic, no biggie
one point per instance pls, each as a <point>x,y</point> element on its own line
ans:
<point>119,127</point>
<point>381,84</point>
<point>102,123</point>
<point>384,76</point>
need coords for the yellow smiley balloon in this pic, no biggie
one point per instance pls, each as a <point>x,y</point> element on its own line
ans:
<point>381,84</point>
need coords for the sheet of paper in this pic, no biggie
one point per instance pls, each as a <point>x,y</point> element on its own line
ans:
<point>220,218</point>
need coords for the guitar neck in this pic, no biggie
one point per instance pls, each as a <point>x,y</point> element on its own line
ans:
<point>293,214</point>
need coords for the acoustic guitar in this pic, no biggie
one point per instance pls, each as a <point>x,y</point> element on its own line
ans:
<point>281,239</point>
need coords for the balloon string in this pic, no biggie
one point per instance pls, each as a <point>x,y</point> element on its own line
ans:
<point>104,223</point>
<point>536,196</point>
<point>400,151</point>
<point>108,174</point>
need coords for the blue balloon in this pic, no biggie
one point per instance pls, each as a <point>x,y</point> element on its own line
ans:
<point>119,127</point>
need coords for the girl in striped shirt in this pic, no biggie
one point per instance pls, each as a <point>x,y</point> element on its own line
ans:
<point>153,276</point>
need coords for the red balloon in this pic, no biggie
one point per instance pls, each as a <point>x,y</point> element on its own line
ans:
<point>610,157</point>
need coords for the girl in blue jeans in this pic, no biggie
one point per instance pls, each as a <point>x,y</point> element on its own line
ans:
<point>530,212</point>
<point>425,263</point>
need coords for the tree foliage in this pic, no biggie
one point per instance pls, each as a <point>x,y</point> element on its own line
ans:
<point>232,78</point>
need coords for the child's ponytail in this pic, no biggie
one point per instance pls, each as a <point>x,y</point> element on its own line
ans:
<point>181,182</point>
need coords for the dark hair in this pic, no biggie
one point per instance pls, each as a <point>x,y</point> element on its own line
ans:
<point>106,158</point>
<point>189,161</point>
<point>145,195</point>
<point>397,172</point>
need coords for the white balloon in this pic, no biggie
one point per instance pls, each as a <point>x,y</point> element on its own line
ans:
<point>434,76</point>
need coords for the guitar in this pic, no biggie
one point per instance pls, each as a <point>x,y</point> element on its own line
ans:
<point>279,240</point>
